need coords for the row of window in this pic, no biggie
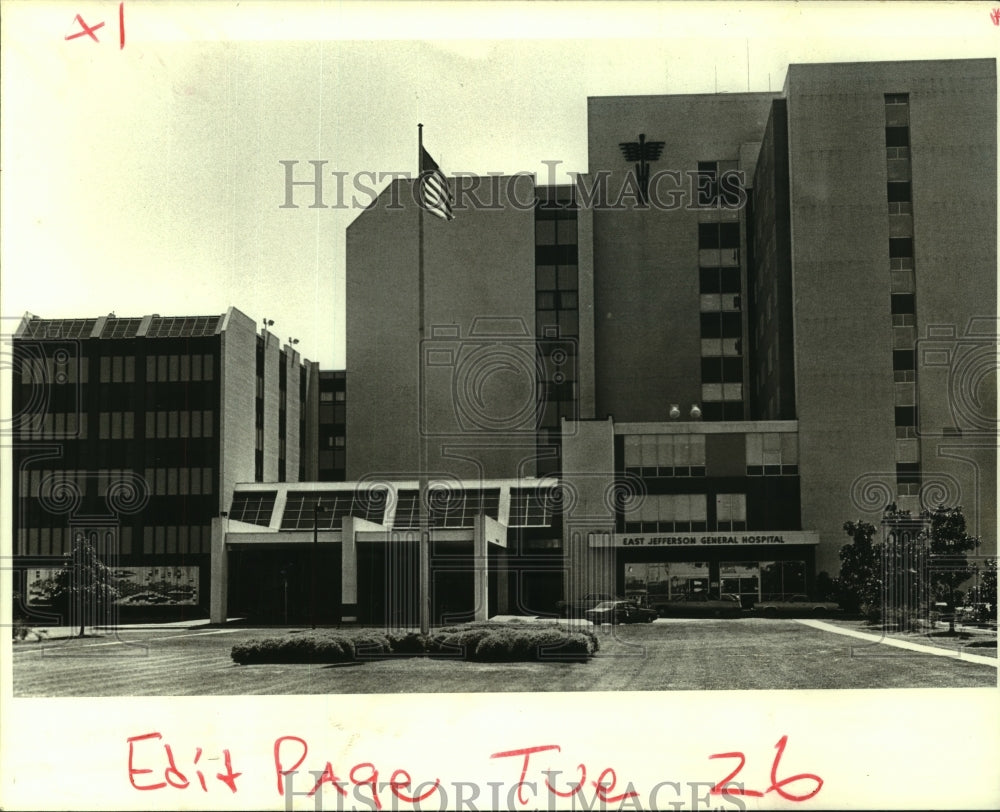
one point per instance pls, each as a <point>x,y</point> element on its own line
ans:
<point>59,368</point>
<point>195,423</point>
<point>158,540</point>
<point>172,368</point>
<point>54,426</point>
<point>719,284</point>
<point>175,540</point>
<point>899,196</point>
<point>529,507</point>
<point>59,540</point>
<point>60,486</point>
<point>666,451</point>
<point>685,511</point>
<point>181,481</point>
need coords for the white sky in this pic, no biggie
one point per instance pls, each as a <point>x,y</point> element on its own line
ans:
<point>146,179</point>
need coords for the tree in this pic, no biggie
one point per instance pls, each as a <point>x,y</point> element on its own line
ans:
<point>987,591</point>
<point>859,586</point>
<point>949,542</point>
<point>84,583</point>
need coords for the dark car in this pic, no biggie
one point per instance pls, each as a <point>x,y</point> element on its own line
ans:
<point>797,606</point>
<point>700,604</point>
<point>579,607</point>
<point>620,611</point>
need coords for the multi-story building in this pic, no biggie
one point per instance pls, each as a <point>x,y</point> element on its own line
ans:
<point>134,432</point>
<point>756,317</point>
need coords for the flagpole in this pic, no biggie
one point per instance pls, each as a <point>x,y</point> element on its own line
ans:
<point>424,550</point>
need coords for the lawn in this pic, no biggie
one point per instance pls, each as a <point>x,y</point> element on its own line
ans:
<point>746,654</point>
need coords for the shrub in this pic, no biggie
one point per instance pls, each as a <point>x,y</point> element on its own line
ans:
<point>481,641</point>
<point>408,643</point>
<point>305,648</point>
<point>533,645</point>
<point>369,643</point>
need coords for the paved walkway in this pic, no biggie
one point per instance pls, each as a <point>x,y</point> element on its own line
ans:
<point>38,633</point>
<point>903,644</point>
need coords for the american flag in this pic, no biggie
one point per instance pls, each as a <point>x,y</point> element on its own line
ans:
<point>434,193</point>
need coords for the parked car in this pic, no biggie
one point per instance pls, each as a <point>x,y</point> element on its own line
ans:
<point>620,611</point>
<point>579,607</point>
<point>797,606</point>
<point>700,604</point>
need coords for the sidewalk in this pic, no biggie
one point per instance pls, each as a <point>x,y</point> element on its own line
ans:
<point>910,642</point>
<point>38,634</point>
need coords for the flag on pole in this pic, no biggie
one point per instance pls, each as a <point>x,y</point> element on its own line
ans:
<point>435,196</point>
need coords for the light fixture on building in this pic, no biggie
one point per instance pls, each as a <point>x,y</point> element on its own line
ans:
<point>695,412</point>
<point>268,323</point>
<point>293,341</point>
<point>675,411</point>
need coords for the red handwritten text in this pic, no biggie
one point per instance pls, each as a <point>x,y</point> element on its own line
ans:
<point>172,775</point>
<point>91,30</point>
<point>363,774</point>
<point>723,788</point>
<point>604,785</point>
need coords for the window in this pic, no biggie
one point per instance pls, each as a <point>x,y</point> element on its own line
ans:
<point>253,507</point>
<point>718,182</point>
<point>673,512</point>
<point>708,183</point>
<point>900,247</point>
<point>448,508</point>
<point>903,360</point>
<point>719,280</point>
<point>908,473</point>
<point>721,325</point>
<point>772,453</point>
<point>721,370</point>
<point>718,235</point>
<point>665,455</point>
<point>731,511</point>
<point>532,507</point>
<point>906,415</point>
<point>896,136</point>
<point>903,303</point>
<point>300,508</point>
<point>899,191</point>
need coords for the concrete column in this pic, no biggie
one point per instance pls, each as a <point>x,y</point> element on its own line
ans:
<point>503,583</point>
<point>348,571</point>
<point>219,583</point>
<point>480,570</point>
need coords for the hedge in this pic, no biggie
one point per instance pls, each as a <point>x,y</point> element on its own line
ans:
<point>480,641</point>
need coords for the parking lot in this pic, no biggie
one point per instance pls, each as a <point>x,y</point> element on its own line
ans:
<point>675,654</point>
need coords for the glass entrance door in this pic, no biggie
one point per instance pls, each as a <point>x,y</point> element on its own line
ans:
<point>740,578</point>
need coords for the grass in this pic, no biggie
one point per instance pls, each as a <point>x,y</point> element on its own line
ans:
<point>746,654</point>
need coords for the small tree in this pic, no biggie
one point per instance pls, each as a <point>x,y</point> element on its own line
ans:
<point>949,543</point>
<point>859,585</point>
<point>986,593</point>
<point>84,583</point>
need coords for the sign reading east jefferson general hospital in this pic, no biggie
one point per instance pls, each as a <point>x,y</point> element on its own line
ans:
<point>704,539</point>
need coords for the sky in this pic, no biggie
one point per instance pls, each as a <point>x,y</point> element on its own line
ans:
<point>148,178</point>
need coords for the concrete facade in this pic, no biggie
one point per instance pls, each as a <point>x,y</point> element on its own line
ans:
<point>846,288</point>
